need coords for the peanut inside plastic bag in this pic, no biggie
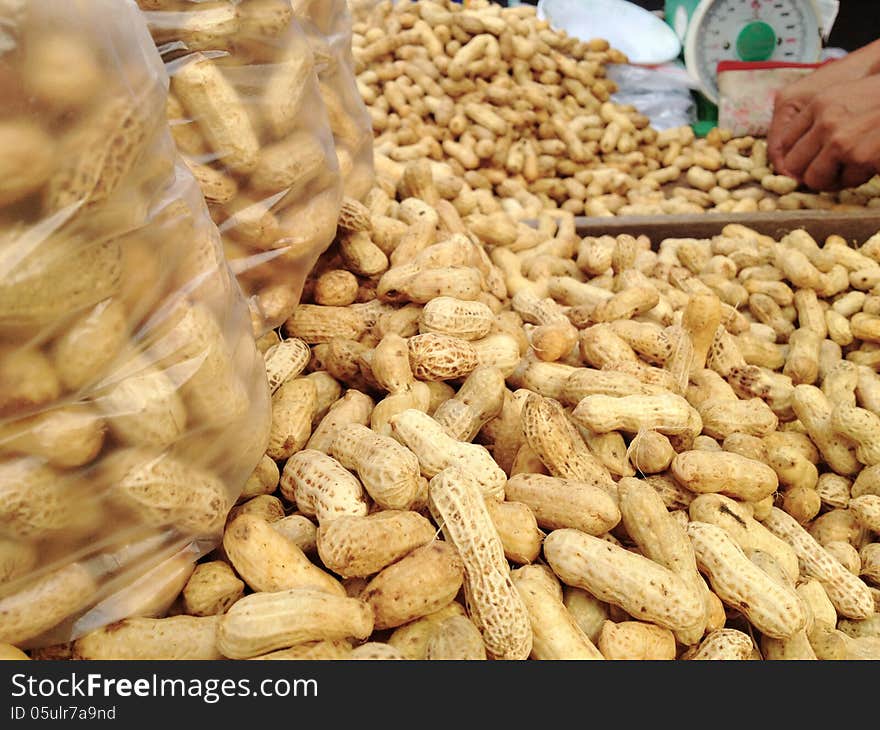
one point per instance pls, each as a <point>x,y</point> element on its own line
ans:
<point>133,402</point>
<point>247,114</point>
<point>328,25</point>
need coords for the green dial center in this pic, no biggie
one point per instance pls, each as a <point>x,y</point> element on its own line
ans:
<point>756,42</point>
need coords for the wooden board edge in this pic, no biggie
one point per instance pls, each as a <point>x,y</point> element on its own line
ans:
<point>854,227</point>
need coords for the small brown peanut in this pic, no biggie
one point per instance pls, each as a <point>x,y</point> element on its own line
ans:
<point>479,399</point>
<point>802,365</point>
<point>293,406</point>
<point>669,414</point>
<point>724,645</point>
<point>211,589</point>
<point>559,503</point>
<point>434,450</point>
<point>849,595</point>
<point>455,638</point>
<point>440,357</point>
<point>456,318</point>
<point>353,408</point>
<point>412,639</point>
<point>262,622</point>
<point>728,473</point>
<point>300,530</point>
<point>321,487</point>
<point>867,510</point>
<point>862,427</point>
<point>770,606</point>
<point>495,606</point>
<point>834,490</point>
<point>388,470</point>
<point>518,530</point>
<point>650,452</point>
<point>555,440</point>
<point>264,506</point>
<point>635,640</point>
<point>268,561</point>
<point>556,634</point>
<point>176,637</point>
<point>421,583</point>
<point>336,288</point>
<point>361,546</point>
<point>263,480</point>
<point>640,586</point>
<point>735,519</point>
<point>815,411</point>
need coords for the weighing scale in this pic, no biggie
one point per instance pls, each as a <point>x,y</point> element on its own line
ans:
<point>708,31</point>
<point>788,31</point>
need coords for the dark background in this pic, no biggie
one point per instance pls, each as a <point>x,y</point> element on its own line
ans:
<point>856,24</point>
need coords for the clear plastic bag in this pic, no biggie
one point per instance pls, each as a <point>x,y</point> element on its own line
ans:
<point>328,24</point>
<point>662,93</point>
<point>133,401</point>
<point>247,114</point>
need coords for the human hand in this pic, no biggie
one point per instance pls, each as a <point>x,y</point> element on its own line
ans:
<point>833,141</point>
<point>790,121</point>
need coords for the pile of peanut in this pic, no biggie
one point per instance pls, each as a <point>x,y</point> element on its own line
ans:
<point>552,449</point>
<point>522,115</point>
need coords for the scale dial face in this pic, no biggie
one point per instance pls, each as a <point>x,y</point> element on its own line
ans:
<point>750,30</point>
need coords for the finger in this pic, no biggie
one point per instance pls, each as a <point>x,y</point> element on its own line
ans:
<point>787,128</point>
<point>804,151</point>
<point>854,175</point>
<point>776,148</point>
<point>863,160</point>
<point>823,172</point>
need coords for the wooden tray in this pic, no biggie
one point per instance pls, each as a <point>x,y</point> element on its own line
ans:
<point>855,227</point>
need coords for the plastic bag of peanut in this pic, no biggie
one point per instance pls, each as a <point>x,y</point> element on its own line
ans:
<point>328,25</point>
<point>246,112</point>
<point>133,404</point>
